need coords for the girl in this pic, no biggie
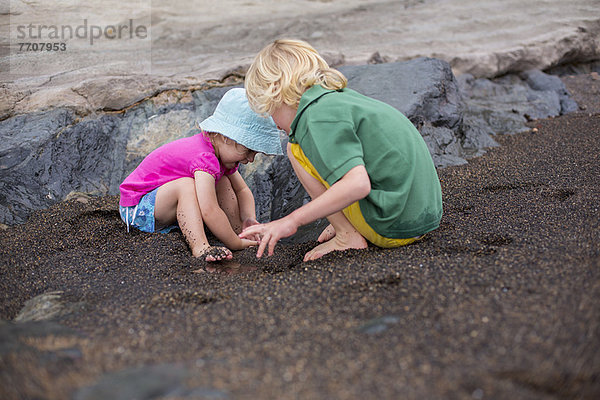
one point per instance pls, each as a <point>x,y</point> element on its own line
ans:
<point>364,164</point>
<point>194,181</point>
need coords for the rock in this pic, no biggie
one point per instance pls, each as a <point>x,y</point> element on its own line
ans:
<point>539,81</point>
<point>378,325</point>
<point>42,307</point>
<point>574,68</point>
<point>12,334</point>
<point>45,156</point>
<point>48,306</point>
<point>443,145</point>
<point>33,353</point>
<point>506,104</point>
<point>145,383</point>
<point>44,99</point>
<point>192,45</point>
<point>259,177</point>
<point>124,91</point>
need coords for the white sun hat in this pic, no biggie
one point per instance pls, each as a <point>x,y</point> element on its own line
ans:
<point>234,118</point>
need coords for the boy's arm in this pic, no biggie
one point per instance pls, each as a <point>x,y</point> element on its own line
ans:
<point>245,199</point>
<point>353,186</point>
<point>213,216</point>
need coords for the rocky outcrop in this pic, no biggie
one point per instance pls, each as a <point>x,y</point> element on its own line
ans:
<point>49,156</point>
<point>46,157</point>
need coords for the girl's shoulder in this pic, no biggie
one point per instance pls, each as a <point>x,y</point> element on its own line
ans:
<point>194,141</point>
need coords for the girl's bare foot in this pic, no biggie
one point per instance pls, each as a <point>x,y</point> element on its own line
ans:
<point>353,240</point>
<point>217,253</point>
<point>327,234</point>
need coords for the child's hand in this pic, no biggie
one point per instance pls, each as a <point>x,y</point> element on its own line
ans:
<point>270,233</point>
<point>249,243</point>
<point>250,222</point>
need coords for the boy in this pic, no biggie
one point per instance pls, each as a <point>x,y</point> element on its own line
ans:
<point>365,166</point>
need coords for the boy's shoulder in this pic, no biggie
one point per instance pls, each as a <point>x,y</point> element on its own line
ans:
<point>311,95</point>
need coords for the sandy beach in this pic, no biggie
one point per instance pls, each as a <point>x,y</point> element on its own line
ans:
<point>500,302</point>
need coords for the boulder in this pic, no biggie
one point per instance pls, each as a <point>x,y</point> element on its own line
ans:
<point>539,81</point>
<point>46,156</point>
<point>505,105</point>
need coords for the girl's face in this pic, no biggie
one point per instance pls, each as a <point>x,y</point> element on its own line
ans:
<point>283,116</point>
<point>232,153</point>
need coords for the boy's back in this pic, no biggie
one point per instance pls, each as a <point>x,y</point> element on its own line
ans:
<point>338,130</point>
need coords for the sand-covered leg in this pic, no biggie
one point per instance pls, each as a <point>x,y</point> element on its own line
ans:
<point>177,201</point>
<point>229,203</point>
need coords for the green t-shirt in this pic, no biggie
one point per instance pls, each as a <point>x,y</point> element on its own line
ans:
<point>338,130</point>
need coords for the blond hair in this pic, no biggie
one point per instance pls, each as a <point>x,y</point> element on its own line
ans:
<point>283,71</point>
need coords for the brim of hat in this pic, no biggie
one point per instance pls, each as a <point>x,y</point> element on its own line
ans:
<point>268,144</point>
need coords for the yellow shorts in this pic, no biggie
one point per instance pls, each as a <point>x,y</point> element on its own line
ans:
<point>352,212</point>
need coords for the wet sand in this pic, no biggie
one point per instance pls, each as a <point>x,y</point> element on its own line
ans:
<point>500,302</point>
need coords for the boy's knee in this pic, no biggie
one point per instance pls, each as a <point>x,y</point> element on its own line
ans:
<point>288,150</point>
<point>291,156</point>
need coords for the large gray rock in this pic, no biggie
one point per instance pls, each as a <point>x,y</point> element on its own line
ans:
<point>505,105</point>
<point>44,157</point>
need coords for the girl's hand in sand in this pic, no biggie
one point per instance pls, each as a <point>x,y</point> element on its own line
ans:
<point>250,222</point>
<point>270,233</point>
<point>249,243</point>
<point>217,253</point>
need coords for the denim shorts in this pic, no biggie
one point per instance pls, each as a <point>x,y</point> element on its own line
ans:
<point>141,216</point>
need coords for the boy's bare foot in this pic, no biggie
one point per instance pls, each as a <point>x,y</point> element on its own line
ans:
<point>327,234</point>
<point>217,253</point>
<point>337,243</point>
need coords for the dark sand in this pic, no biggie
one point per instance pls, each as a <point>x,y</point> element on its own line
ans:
<point>501,302</point>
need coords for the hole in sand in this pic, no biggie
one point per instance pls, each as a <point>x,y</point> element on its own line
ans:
<point>496,240</point>
<point>226,267</point>
<point>561,194</point>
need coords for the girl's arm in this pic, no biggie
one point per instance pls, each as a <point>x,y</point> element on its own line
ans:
<point>213,216</point>
<point>353,186</point>
<point>245,199</point>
